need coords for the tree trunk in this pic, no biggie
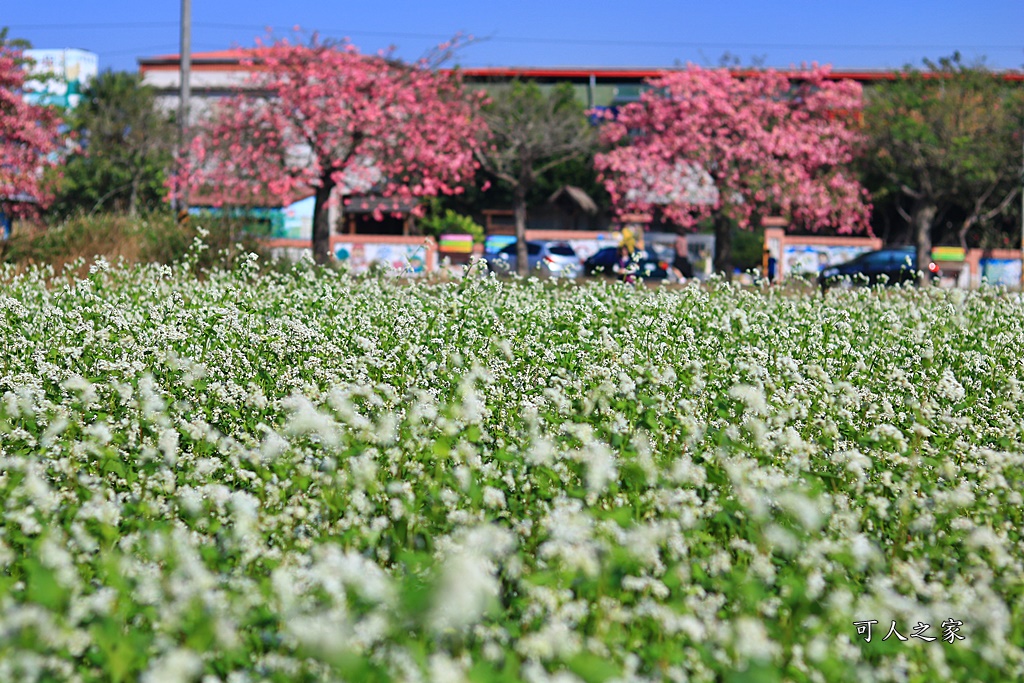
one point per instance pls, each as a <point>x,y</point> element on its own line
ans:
<point>923,215</point>
<point>321,221</point>
<point>519,209</point>
<point>133,198</point>
<point>225,228</point>
<point>961,234</point>
<point>723,246</point>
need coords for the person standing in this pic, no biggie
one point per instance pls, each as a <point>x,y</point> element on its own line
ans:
<point>682,269</point>
<point>704,263</point>
<point>629,253</point>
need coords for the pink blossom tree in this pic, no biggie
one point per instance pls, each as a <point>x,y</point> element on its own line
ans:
<point>322,116</point>
<point>29,138</point>
<point>711,143</point>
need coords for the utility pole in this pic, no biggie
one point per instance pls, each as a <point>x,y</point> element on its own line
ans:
<point>185,91</point>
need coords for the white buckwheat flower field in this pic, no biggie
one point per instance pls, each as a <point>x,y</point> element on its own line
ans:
<point>264,477</point>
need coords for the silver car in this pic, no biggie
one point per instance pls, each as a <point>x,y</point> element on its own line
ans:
<point>551,259</point>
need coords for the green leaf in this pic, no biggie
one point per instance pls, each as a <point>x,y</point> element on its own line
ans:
<point>593,669</point>
<point>42,587</point>
<point>755,673</point>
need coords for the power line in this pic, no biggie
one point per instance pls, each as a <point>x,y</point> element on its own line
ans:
<point>63,27</point>
<point>784,46</point>
<point>495,38</point>
<point>163,47</point>
<point>628,43</point>
<point>133,50</point>
<point>530,39</point>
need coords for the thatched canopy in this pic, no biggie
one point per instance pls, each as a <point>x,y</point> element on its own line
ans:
<point>576,197</point>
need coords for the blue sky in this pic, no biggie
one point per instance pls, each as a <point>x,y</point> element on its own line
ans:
<point>869,34</point>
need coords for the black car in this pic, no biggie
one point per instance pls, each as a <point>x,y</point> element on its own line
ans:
<point>891,265</point>
<point>603,262</point>
<point>606,261</point>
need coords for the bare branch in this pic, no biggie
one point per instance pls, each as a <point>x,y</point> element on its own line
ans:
<point>558,161</point>
<point>903,213</point>
<point>1001,207</point>
<point>910,192</point>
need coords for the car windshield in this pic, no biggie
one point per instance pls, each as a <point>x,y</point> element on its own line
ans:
<point>561,250</point>
<point>876,257</point>
<point>532,249</point>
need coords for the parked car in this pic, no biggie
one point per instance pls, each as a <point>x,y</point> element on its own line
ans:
<point>553,259</point>
<point>606,261</point>
<point>602,262</point>
<point>891,265</point>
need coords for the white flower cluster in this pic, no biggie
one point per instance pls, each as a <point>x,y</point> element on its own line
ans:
<point>308,476</point>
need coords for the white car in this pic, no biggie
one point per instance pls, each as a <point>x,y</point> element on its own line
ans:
<point>552,259</point>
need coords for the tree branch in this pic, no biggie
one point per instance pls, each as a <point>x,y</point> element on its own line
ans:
<point>910,192</point>
<point>485,162</point>
<point>903,213</point>
<point>558,161</point>
<point>989,215</point>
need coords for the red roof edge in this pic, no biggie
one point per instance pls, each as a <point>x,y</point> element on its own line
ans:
<point>230,60</point>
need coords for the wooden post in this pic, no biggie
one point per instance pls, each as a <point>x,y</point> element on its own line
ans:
<point>185,91</point>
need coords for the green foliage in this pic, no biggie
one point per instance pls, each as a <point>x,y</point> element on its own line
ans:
<point>125,146</point>
<point>534,132</point>
<point>579,172</point>
<point>747,248</point>
<point>531,134</point>
<point>439,221</point>
<point>946,139</point>
<point>18,43</point>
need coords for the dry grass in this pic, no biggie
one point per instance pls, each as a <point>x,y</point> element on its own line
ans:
<point>156,238</point>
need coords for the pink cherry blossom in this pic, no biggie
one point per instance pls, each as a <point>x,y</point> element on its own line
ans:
<point>710,142</point>
<point>322,116</point>
<point>29,139</point>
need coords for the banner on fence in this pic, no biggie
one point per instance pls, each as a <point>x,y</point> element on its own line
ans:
<point>360,257</point>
